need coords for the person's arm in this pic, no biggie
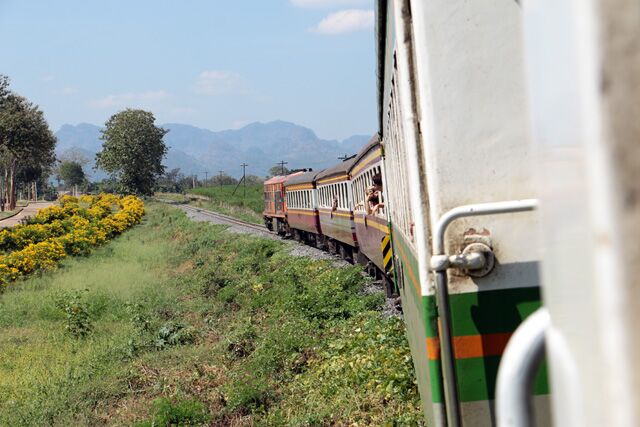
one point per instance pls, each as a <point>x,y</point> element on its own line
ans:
<point>377,208</point>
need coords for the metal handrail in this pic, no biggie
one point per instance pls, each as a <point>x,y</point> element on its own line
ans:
<point>517,371</point>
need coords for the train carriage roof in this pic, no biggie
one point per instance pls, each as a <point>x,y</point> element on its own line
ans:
<point>373,143</point>
<point>337,170</point>
<point>276,180</point>
<point>303,178</point>
<point>280,179</point>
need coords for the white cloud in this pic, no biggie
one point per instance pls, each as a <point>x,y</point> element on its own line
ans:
<point>143,99</point>
<point>218,82</point>
<point>345,21</point>
<point>48,78</point>
<point>330,3</point>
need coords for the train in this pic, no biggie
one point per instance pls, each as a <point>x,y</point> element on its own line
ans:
<point>327,209</point>
<point>507,144</point>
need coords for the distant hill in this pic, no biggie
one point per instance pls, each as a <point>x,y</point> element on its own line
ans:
<point>195,150</point>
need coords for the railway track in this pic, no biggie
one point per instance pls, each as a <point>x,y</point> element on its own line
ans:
<point>225,218</point>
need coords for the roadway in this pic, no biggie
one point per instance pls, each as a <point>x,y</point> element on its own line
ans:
<point>28,211</point>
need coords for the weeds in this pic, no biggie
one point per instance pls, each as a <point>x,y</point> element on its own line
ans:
<point>174,333</point>
<point>179,413</point>
<point>76,311</point>
<point>190,325</point>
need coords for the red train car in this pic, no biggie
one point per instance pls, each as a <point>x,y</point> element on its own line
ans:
<point>275,204</point>
<point>302,208</point>
<point>335,208</point>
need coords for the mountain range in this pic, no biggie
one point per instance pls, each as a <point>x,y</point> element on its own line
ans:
<point>196,151</point>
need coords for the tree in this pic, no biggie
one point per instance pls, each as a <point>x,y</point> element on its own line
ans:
<point>253,179</point>
<point>223,179</point>
<point>4,87</point>
<point>171,182</point>
<point>278,171</point>
<point>71,173</point>
<point>132,151</point>
<point>26,142</point>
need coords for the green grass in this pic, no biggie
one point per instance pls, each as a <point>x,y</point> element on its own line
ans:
<point>188,324</point>
<point>7,214</point>
<point>247,206</point>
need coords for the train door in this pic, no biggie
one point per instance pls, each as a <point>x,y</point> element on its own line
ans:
<point>584,71</point>
<point>454,75</point>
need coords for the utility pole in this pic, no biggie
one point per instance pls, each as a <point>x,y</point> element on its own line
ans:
<point>282,163</point>
<point>206,176</point>
<point>193,181</point>
<point>220,174</point>
<point>242,180</point>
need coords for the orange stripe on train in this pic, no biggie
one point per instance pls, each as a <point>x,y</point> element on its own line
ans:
<point>470,346</point>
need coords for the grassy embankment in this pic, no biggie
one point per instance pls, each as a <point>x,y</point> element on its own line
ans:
<point>183,322</point>
<point>247,207</point>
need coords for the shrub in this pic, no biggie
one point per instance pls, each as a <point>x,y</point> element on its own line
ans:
<point>173,333</point>
<point>60,231</point>
<point>78,323</point>
<point>179,413</point>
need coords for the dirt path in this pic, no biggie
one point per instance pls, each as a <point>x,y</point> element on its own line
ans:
<point>28,211</point>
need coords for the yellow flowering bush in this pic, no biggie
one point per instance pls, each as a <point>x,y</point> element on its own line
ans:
<point>65,230</point>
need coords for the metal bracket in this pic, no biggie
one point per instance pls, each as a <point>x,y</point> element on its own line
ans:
<point>476,260</point>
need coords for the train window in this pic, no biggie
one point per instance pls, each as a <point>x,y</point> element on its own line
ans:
<point>346,196</point>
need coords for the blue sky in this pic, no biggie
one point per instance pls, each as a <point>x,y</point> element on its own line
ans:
<point>210,63</point>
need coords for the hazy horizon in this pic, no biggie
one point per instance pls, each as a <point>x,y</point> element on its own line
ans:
<point>311,62</point>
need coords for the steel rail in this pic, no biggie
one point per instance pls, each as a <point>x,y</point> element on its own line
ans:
<point>226,218</point>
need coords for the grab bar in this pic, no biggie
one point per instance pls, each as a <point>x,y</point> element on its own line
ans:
<point>517,371</point>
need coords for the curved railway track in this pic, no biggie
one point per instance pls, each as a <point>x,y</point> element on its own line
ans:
<point>225,218</point>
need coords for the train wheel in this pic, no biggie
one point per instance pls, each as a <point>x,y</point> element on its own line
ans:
<point>311,239</point>
<point>296,236</point>
<point>331,247</point>
<point>389,288</point>
<point>346,253</point>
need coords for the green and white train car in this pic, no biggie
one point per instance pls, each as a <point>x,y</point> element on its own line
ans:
<point>454,125</point>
